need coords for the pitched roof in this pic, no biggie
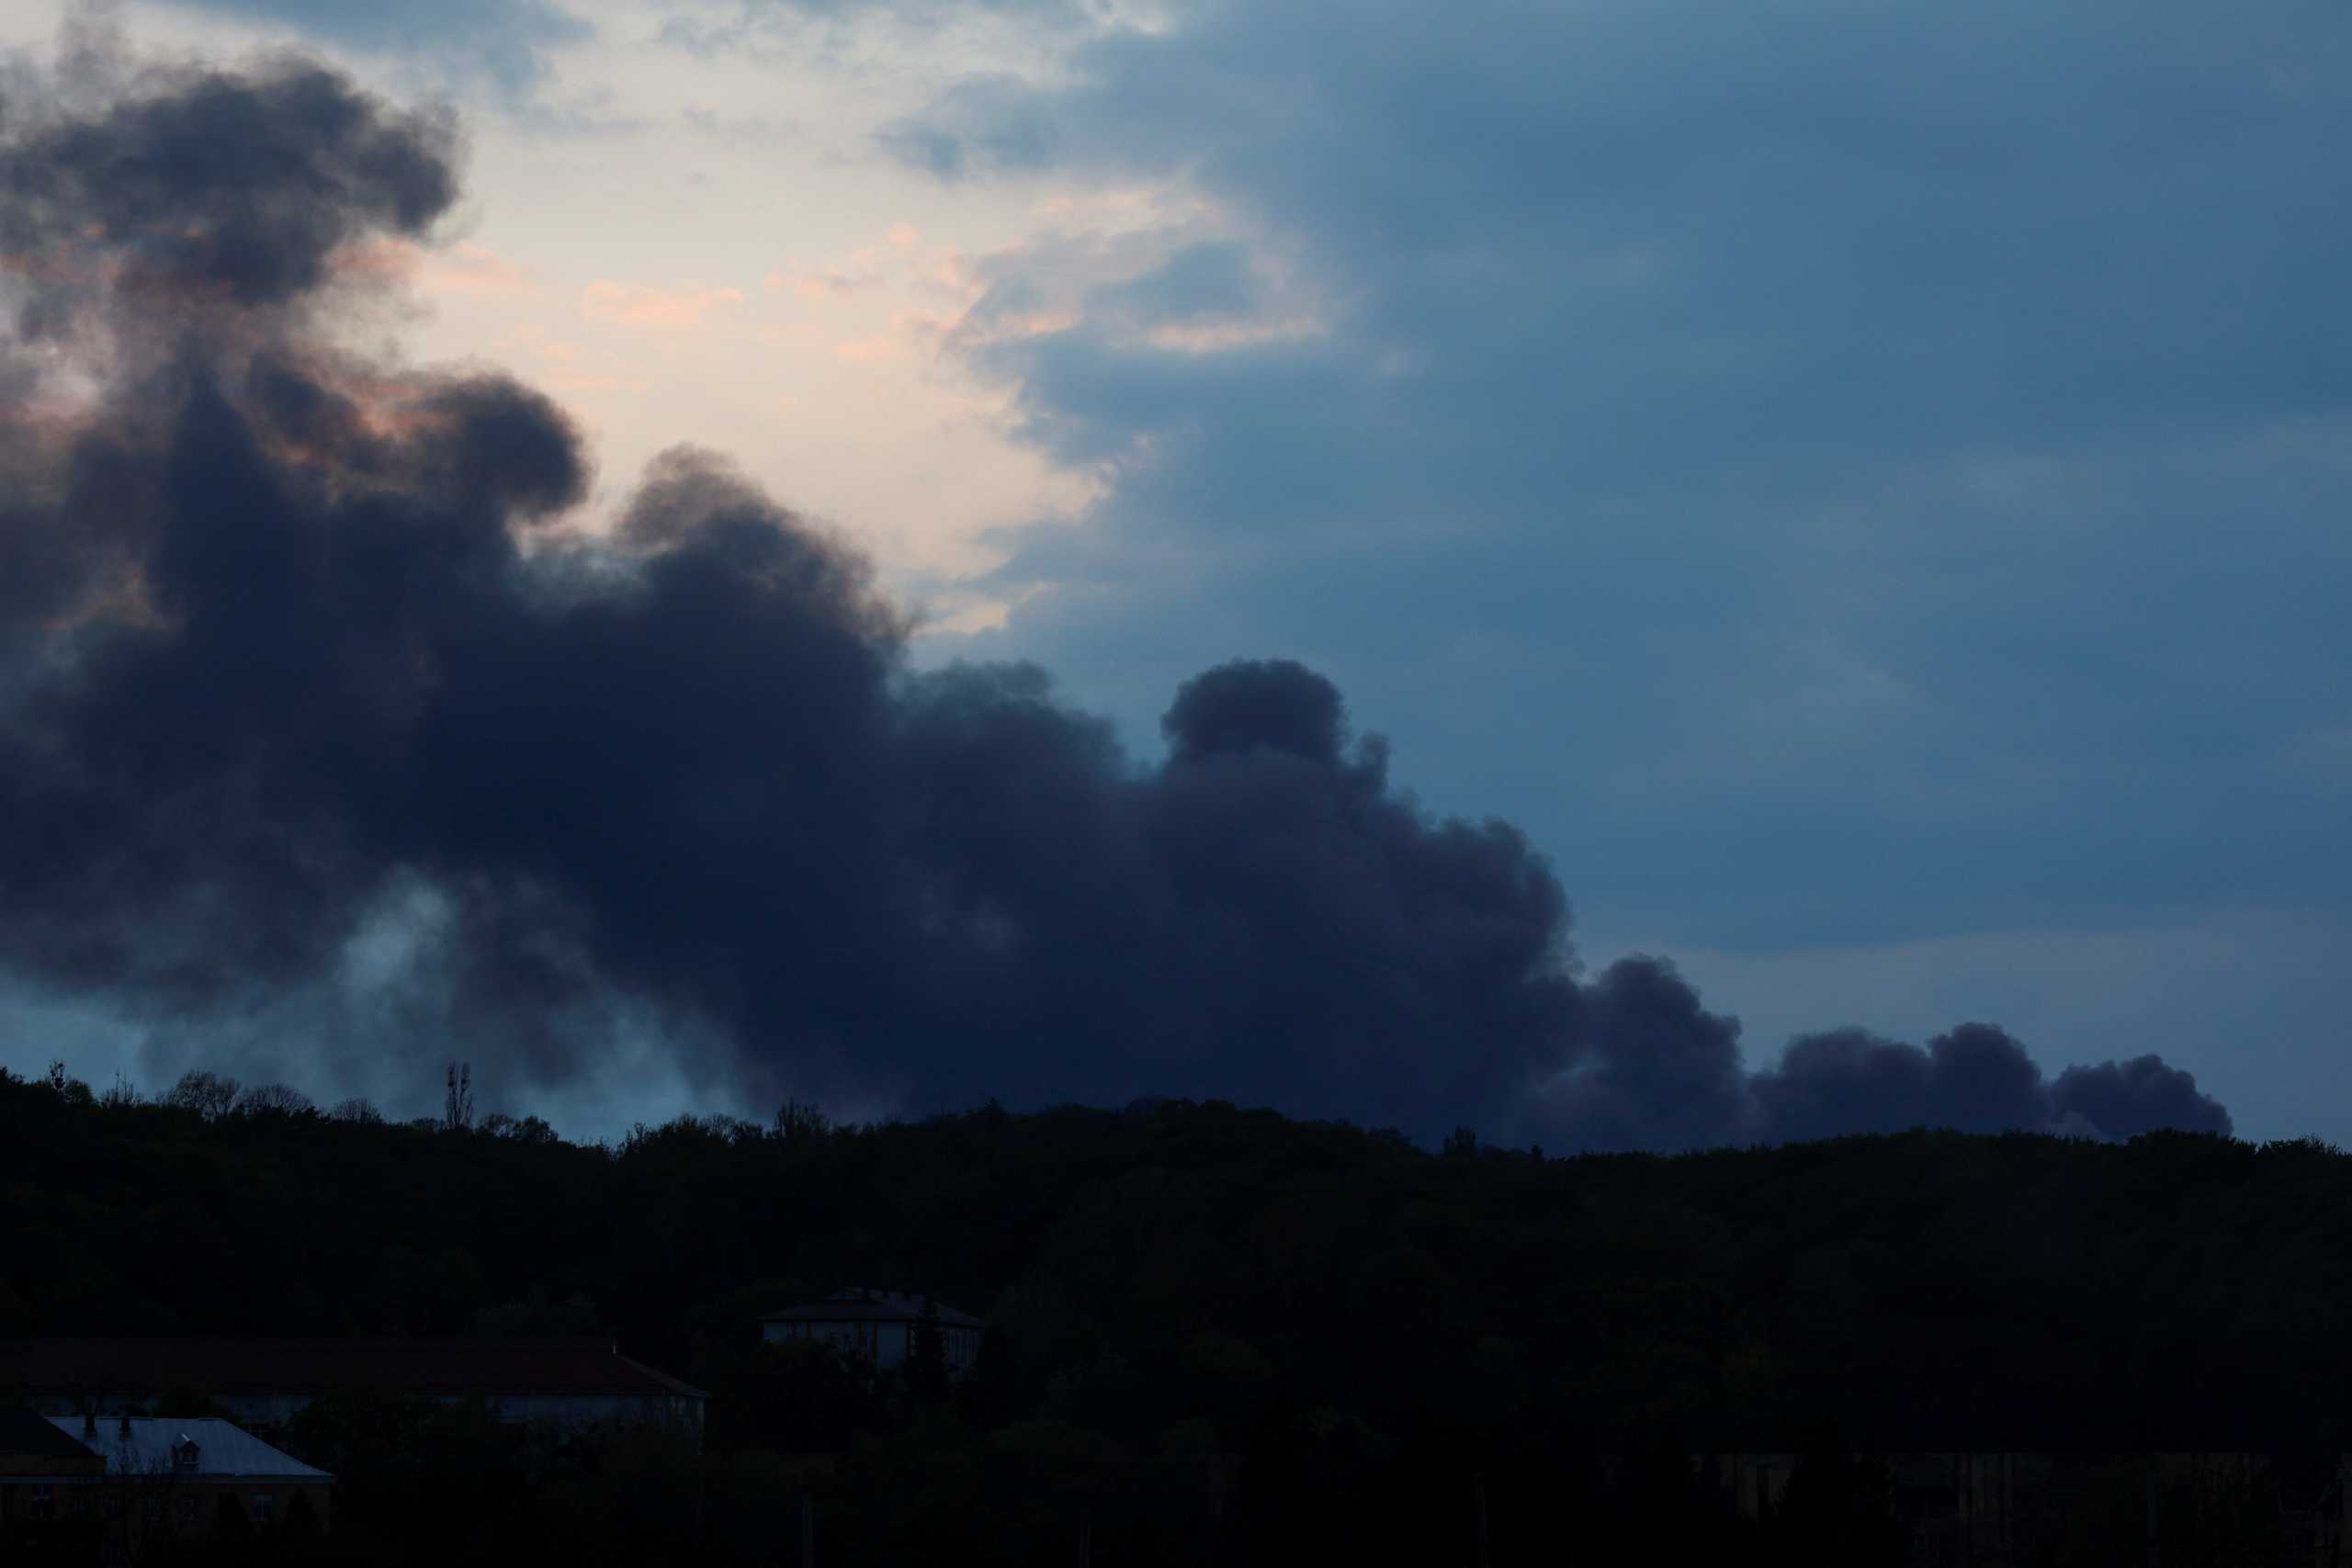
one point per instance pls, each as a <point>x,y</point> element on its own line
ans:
<point>871,1307</point>
<point>152,1443</point>
<point>141,1367</point>
<point>23,1432</point>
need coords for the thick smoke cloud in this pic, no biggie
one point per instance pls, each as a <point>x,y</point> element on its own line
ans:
<point>304,656</point>
<point>238,185</point>
<point>2123,1099</point>
<point>1665,1074</point>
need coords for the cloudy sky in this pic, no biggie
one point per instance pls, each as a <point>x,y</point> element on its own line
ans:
<point>1862,486</point>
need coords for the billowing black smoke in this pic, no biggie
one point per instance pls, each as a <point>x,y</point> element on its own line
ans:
<point>1663,1073</point>
<point>302,657</point>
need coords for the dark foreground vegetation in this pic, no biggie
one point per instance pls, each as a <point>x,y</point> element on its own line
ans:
<point>1218,1336</point>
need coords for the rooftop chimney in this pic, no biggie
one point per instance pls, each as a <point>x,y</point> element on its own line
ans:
<point>90,1422</point>
<point>126,1423</point>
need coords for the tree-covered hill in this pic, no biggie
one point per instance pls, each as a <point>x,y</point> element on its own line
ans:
<point>1176,1260</point>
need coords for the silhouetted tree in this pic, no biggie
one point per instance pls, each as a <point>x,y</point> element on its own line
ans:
<point>517,1129</point>
<point>1837,1511</point>
<point>210,1095</point>
<point>274,1099</point>
<point>800,1396</point>
<point>927,1357</point>
<point>991,1392</point>
<point>67,1088</point>
<point>798,1121</point>
<point>1275,1508</point>
<point>458,1103</point>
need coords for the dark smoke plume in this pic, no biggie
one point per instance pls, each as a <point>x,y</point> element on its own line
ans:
<point>305,674</point>
<point>2124,1099</point>
<point>1666,1074</point>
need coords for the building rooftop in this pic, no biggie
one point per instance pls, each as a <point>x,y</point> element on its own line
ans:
<point>151,1445</point>
<point>858,1305</point>
<point>140,1368</point>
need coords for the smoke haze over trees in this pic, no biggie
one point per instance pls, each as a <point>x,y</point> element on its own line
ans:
<point>321,716</point>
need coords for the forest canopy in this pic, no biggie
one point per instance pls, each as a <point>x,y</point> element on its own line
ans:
<point>1179,1259</point>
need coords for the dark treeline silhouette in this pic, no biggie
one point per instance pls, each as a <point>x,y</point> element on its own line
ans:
<point>1220,1334</point>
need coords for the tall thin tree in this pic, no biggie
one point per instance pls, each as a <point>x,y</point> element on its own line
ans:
<point>458,1106</point>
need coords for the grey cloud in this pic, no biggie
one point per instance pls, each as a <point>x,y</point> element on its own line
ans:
<point>983,125</point>
<point>1879,445</point>
<point>506,37</point>
<point>1835,476</point>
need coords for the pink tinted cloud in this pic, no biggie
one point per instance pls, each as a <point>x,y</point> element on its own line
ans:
<point>636,305</point>
<point>467,268</point>
<point>869,350</point>
<point>817,285</point>
<point>568,367</point>
<point>877,265</point>
<point>376,262</point>
<point>461,268</point>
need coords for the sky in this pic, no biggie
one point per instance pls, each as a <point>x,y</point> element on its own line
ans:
<point>1859,489</point>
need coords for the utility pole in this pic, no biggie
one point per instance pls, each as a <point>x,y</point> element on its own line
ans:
<point>1478,1504</point>
<point>1085,1539</point>
<point>807,1534</point>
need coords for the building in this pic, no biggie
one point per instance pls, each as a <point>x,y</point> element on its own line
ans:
<point>574,1386</point>
<point>86,1489</point>
<point>201,1475</point>
<point>875,1327</point>
<point>47,1491</point>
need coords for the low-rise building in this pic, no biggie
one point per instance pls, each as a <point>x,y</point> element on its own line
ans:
<point>201,1474</point>
<point>574,1385</point>
<point>47,1491</point>
<point>878,1328</point>
<point>83,1489</point>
